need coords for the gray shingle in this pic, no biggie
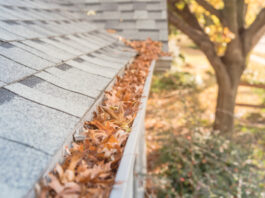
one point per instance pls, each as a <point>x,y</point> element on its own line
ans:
<point>124,54</point>
<point>64,45</point>
<point>96,69</point>
<point>8,14</point>
<point>76,43</point>
<point>97,40</point>
<point>127,24</point>
<point>127,15</point>
<point>8,36</point>
<point>24,13</point>
<point>2,84</point>
<point>140,14</point>
<point>154,6</point>
<point>40,111</point>
<point>12,71</point>
<point>110,57</point>
<point>19,30</point>
<point>39,97</point>
<point>57,92</point>
<point>142,35</point>
<point>161,24</point>
<point>20,167</point>
<point>163,35</point>
<point>109,6</point>
<point>125,6</point>
<point>43,128</point>
<point>100,24</point>
<point>93,42</point>
<point>112,24</point>
<point>36,27</point>
<point>4,14</point>
<point>164,14</point>
<point>155,14</point>
<point>102,62</point>
<point>139,5</point>
<point>23,57</point>
<point>111,15</point>
<point>68,84</point>
<point>145,24</point>
<point>81,78</point>
<point>36,52</point>
<point>130,33</point>
<point>51,50</point>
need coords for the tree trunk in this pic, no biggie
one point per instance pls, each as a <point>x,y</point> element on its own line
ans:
<point>224,114</point>
<point>234,62</point>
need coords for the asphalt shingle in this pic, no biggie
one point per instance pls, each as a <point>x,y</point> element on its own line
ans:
<point>93,68</point>
<point>54,65</point>
<point>11,71</point>
<point>21,56</point>
<point>49,49</point>
<point>140,14</point>
<point>81,78</point>
<point>8,36</point>
<point>43,128</point>
<point>19,29</point>
<point>132,16</point>
<point>20,168</point>
<point>55,91</point>
<point>48,100</point>
<point>2,84</point>
<point>68,84</point>
<point>36,52</point>
<point>146,24</point>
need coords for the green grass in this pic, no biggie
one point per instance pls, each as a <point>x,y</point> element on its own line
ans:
<point>172,81</point>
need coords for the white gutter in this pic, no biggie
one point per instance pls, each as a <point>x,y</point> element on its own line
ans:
<point>128,181</point>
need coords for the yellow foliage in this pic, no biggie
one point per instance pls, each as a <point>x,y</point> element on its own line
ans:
<point>211,24</point>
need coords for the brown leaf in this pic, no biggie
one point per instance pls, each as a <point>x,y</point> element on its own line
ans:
<point>89,169</point>
<point>55,184</point>
<point>71,190</point>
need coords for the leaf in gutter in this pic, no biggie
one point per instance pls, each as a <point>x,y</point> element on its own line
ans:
<point>59,170</point>
<point>71,190</point>
<point>89,169</point>
<point>111,142</point>
<point>69,174</point>
<point>90,174</point>
<point>55,184</point>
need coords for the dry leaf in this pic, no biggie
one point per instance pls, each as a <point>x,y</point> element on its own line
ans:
<point>90,167</point>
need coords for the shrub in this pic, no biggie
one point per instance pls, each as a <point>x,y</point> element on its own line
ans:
<point>209,165</point>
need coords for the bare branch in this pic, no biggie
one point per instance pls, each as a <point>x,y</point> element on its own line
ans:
<point>256,30</point>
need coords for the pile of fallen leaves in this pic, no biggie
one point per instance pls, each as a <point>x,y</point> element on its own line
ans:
<point>89,169</point>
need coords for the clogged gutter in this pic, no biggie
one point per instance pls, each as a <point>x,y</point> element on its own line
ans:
<point>89,169</point>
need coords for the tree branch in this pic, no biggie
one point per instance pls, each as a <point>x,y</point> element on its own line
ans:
<point>203,42</point>
<point>230,15</point>
<point>241,14</point>
<point>186,14</point>
<point>254,33</point>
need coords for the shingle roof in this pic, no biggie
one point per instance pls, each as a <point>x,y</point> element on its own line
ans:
<point>133,19</point>
<point>54,64</point>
